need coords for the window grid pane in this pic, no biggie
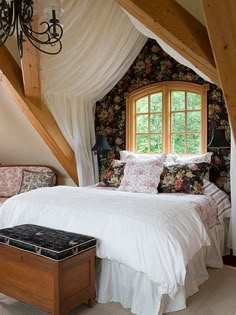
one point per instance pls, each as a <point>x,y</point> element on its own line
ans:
<point>177,100</point>
<point>149,124</point>
<point>156,102</point>
<point>142,123</point>
<point>193,121</point>
<point>156,143</point>
<point>142,105</point>
<point>185,122</point>
<point>192,140</point>
<point>178,122</point>
<point>193,101</point>
<point>155,122</point>
<point>142,144</point>
<point>178,143</point>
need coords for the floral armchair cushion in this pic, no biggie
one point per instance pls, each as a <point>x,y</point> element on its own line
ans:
<point>33,180</point>
<point>185,178</point>
<point>114,174</point>
<point>11,178</point>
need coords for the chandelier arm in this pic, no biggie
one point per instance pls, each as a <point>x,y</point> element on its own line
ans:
<point>7,21</point>
<point>29,29</point>
<point>47,31</point>
<point>32,38</point>
<point>12,25</point>
<point>45,51</point>
<point>26,12</point>
<point>19,37</point>
<point>17,16</point>
<point>58,28</point>
<point>50,39</point>
<point>5,29</point>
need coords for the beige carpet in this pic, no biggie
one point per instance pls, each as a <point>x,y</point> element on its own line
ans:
<point>217,296</point>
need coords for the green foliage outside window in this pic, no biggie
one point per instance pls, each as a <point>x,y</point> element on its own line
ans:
<point>142,144</point>
<point>156,102</point>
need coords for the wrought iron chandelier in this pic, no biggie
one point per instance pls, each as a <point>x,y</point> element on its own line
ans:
<point>17,16</point>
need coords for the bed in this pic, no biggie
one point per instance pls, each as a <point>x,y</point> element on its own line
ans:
<point>152,249</point>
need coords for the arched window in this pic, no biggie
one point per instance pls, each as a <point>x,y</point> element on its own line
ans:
<point>168,117</point>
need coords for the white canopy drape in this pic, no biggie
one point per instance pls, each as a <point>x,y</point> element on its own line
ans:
<point>233,196</point>
<point>99,45</point>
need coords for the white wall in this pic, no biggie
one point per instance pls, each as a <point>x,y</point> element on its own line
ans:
<point>20,143</point>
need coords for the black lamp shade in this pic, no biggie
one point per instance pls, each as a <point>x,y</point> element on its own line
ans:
<point>218,140</point>
<point>101,144</point>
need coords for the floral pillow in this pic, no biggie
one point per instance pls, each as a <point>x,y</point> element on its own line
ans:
<point>114,174</point>
<point>142,175</point>
<point>34,180</point>
<point>185,178</point>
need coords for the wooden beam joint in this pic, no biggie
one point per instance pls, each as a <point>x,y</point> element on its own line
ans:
<point>178,29</point>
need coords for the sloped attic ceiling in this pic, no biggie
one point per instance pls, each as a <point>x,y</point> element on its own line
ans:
<point>191,10</point>
<point>20,143</point>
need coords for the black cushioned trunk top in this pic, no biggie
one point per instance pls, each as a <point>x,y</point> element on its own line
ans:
<point>55,244</point>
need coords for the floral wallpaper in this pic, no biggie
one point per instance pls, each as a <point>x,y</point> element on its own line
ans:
<point>154,65</point>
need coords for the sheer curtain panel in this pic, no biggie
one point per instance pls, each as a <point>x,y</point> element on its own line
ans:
<point>99,45</point>
<point>233,196</point>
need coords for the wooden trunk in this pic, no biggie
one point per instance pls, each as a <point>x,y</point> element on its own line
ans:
<point>53,286</point>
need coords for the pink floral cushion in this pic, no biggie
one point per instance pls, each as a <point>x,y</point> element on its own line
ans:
<point>11,178</point>
<point>142,175</point>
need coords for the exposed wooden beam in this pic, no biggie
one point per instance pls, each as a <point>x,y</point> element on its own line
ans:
<point>177,28</point>
<point>30,68</point>
<point>221,25</point>
<point>39,116</point>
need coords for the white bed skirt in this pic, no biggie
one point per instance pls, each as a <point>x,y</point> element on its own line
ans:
<point>132,289</point>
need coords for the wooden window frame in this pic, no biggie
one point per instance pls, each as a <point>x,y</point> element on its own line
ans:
<point>166,88</point>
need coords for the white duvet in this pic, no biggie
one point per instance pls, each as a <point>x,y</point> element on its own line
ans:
<point>157,234</point>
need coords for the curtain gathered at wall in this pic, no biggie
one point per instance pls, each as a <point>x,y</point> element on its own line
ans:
<point>99,45</point>
<point>169,50</point>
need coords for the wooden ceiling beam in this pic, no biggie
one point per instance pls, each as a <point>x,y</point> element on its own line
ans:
<point>221,25</point>
<point>37,113</point>
<point>177,28</point>
<point>30,68</point>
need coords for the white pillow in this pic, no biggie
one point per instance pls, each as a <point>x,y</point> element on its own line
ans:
<point>125,155</point>
<point>200,158</point>
<point>220,198</point>
<point>142,175</point>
